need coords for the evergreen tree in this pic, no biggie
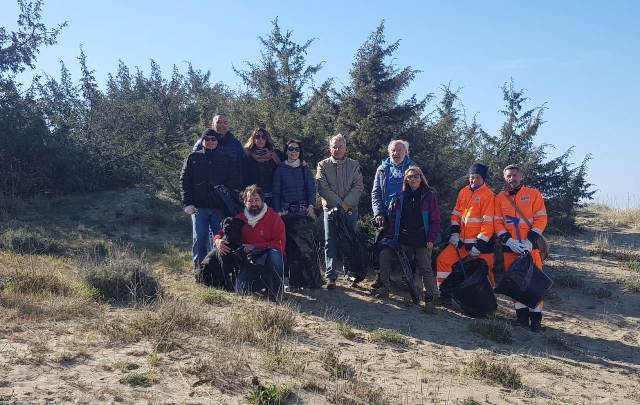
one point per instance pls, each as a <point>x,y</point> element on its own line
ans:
<point>371,114</point>
<point>562,183</point>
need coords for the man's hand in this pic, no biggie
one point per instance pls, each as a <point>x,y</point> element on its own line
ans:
<point>430,246</point>
<point>311,213</point>
<point>515,246</point>
<point>247,247</point>
<point>474,252</point>
<point>222,246</point>
<point>526,245</point>
<point>190,209</point>
<point>454,239</point>
<point>345,206</point>
<point>379,220</point>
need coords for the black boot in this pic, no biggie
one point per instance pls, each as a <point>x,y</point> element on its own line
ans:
<point>522,317</point>
<point>536,321</point>
<point>378,283</point>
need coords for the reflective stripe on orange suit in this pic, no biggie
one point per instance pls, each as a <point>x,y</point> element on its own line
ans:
<point>447,258</point>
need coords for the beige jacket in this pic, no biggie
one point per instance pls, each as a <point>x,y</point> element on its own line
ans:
<point>339,181</point>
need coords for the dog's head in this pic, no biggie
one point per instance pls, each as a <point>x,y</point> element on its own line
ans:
<point>232,228</point>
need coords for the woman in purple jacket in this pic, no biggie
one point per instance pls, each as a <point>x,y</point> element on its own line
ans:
<point>414,224</point>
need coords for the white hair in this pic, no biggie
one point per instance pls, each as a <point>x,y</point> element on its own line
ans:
<point>396,141</point>
<point>338,138</point>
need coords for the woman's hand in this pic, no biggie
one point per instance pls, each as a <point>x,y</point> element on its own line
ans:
<point>311,213</point>
<point>247,247</point>
<point>379,220</point>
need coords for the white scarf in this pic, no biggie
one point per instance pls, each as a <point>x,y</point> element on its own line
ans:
<point>295,163</point>
<point>252,220</point>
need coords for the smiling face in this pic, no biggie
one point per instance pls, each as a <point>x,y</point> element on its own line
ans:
<point>513,178</point>
<point>260,140</point>
<point>293,151</point>
<point>413,179</point>
<point>253,203</point>
<point>220,124</point>
<point>397,153</point>
<point>338,150</point>
<point>210,142</point>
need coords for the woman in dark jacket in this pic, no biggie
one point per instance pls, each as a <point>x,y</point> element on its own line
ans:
<point>294,187</point>
<point>294,194</point>
<point>202,171</point>
<point>414,225</point>
<point>259,162</point>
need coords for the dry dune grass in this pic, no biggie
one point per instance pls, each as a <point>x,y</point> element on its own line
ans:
<point>88,328</point>
<point>616,217</point>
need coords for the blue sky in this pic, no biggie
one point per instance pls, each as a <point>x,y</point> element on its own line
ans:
<point>581,58</point>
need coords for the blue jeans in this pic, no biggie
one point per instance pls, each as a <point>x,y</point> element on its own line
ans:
<point>205,221</point>
<point>332,259</point>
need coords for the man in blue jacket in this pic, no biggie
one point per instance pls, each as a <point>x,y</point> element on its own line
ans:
<point>388,179</point>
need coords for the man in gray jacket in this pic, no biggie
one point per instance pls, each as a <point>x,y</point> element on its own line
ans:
<point>340,186</point>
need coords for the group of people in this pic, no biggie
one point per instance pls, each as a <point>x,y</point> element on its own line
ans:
<point>276,187</point>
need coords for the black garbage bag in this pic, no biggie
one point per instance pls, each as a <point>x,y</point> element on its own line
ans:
<point>405,267</point>
<point>302,266</point>
<point>524,282</point>
<point>470,287</point>
<point>228,200</point>
<point>348,244</point>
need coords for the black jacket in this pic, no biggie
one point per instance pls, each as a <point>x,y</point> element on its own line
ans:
<point>259,173</point>
<point>201,171</point>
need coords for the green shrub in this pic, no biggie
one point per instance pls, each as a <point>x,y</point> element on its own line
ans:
<point>389,336</point>
<point>21,240</point>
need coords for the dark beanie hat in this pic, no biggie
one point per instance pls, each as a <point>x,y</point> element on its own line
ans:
<point>478,168</point>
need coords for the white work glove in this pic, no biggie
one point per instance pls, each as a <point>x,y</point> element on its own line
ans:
<point>474,252</point>
<point>190,209</point>
<point>454,239</point>
<point>515,246</point>
<point>526,245</point>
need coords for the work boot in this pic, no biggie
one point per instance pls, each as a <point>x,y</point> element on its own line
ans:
<point>536,321</point>
<point>331,285</point>
<point>522,317</point>
<point>382,292</point>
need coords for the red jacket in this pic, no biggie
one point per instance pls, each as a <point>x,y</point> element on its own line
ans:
<point>268,233</point>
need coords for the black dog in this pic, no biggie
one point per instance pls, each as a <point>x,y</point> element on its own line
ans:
<point>218,270</point>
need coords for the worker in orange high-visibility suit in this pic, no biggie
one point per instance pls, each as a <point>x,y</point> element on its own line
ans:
<point>517,236</point>
<point>471,227</point>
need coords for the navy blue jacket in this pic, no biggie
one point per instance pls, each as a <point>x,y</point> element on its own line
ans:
<point>289,187</point>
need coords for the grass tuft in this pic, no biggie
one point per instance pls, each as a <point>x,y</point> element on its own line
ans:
<point>122,278</point>
<point>138,380</point>
<point>567,279</point>
<point>260,323</point>
<point>337,369</point>
<point>212,296</point>
<point>30,241</point>
<point>270,394</point>
<point>632,283</point>
<point>346,331</point>
<point>497,331</point>
<point>495,373</point>
<point>388,336</point>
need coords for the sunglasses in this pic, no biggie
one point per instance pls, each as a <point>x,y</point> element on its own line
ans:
<point>293,149</point>
<point>413,177</point>
<point>210,138</point>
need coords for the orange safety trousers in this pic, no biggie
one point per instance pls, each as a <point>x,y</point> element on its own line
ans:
<point>448,257</point>
<point>509,258</point>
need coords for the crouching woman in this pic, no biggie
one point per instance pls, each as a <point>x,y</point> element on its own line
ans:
<point>263,242</point>
<point>414,224</point>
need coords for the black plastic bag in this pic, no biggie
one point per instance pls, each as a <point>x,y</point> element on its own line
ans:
<point>228,201</point>
<point>348,244</point>
<point>470,287</point>
<point>524,282</point>
<point>302,266</point>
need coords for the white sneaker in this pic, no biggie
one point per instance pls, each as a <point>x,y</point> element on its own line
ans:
<point>285,283</point>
